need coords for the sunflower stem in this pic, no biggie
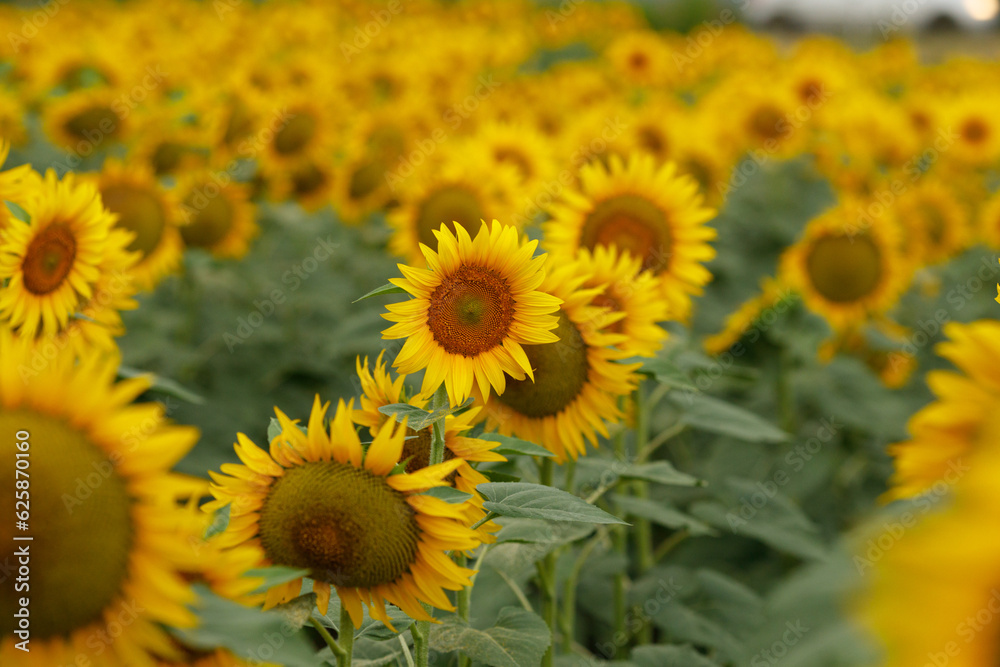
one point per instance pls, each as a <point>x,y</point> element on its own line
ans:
<point>437,437</point>
<point>645,558</point>
<point>345,638</point>
<point>328,638</point>
<point>620,542</point>
<point>464,599</point>
<point>547,575</point>
<point>570,468</point>
<point>421,649</point>
<point>568,618</point>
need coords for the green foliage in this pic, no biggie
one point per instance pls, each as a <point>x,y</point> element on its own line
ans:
<point>536,501</point>
<point>519,638</point>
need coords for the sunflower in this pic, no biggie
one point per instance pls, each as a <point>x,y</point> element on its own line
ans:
<point>306,129</point>
<point>472,311</point>
<point>577,380</point>
<point>988,222</point>
<point>773,295</point>
<point>147,210</point>
<point>946,566</point>
<point>106,556</point>
<point>641,57</point>
<point>86,121</point>
<point>53,262</point>
<point>972,117</point>
<point>521,147</point>
<point>217,214</point>
<point>944,430</point>
<point>631,301</point>
<point>458,190</point>
<point>318,501</point>
<point>931,214</point>
<point>380,389</point>
<point>845,270</point>
<point>14,183</point>
<point>649,212</point>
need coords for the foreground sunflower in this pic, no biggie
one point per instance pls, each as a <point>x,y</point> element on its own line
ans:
<point>52,262</point>
<point>106,554</point>
<point>944,430</point>
<point>647,211</point>
<point>473,309</point>
<point>577,379</point>
<point>321,502</point>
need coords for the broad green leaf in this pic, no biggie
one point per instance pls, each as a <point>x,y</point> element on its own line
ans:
<point>250,634</point>
<point>495,476</point>
<point>17,211</point>
<point>276,575</point>
<point>711,414</point>
<point>273,429</point>
<point>667,372</point>
<point>162,385</point>
<point>670,656</point>
<point>388,288</point>
<point>536,531</point>
<point>535,501</point>
<point>780,532</point>
<point>448,494</point>
<point>660,472</point>
<point>685,624</point>
<point>660,513</point>
<point>512,445</point>
<point>219,522</point>
<point>518,639</point>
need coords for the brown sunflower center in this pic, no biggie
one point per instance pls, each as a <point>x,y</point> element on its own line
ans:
<point>295,134</point>
<point>211,222</point>
<point>308,179</point>
<point>139,211</point>
<point>633,224</point>
<point>697,169</point>
<point>94,124</point>
<point>766,122</point>
<point>560,374</point>
<point>652,139</point>
<point>448,205</point>
<point>80,519</point>
<point>418,450</point>
<point>49,259</point>
<point>638,61</point>
<point>344,523</point>
<point>471,311</point>
<point>810,91</point>
<point>844,269</point>
<point>975,131</point>
<point>365,179</point>
<point>167,157</point>
<point>515,158</point>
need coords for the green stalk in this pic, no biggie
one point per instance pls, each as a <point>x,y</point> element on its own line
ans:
<point>338,651</point>
<point>345,638</point>
<point>643,529</point>
<point>620,542</point>
<point>568,618</point>
<point>547,575</point>
<point>464,601</point>
<point>421,629</point>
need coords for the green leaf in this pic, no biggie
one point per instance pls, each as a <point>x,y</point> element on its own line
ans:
<point>512,445</point>
<point>370,628</point>
<point>273,429</point>
<point>418,418</point>
<point>536,531</point>
<point>250,634</point>
<point>17,211</point>
<point>495,476</point>
<point>518,639</point>
<point>388,288</point>
<point>219,522</point>
<point>667,372</point>
<point>711,414</point>
<point>670,656</point>
<point>685,624</point>
<point>276,575</point>
<point>448,494</point>
<point>662,514</point>
<point>661,472</point>
<point>162,385</point>
<point>535,501</point>
<point>781,532</point>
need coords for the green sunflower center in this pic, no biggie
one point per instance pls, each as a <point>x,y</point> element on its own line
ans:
<point>167,157</point>
<point>560,374</point>
<point>139,211</point>
<point>80,519</point>
<point>633,224</point>
<point>471,311</point>
<point>211,222</point>
<point>449,204</point>
<point>308,179</point>
<point>699,170</point>
<point>844,269</point>
<point>295,134</point>
<point>49,259</point>
<point>344,523</point>
<point>365,179</point>
<point>93,124</point>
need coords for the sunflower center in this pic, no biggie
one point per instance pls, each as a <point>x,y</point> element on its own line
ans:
<point>635,225</point>
<point>844,269</point>
<point>139,211</point>
<point>167,157</point>
<point>80,519</point>
<point>49,259</point>
<point>448,205</point>
<point>418,450</point>
<point>210,223</point>
<point>93,124</point>
<point>514,158</point>
<point>296,133</point>
<point>308,179</point>
<point>935,223</point>
<point>652,140</point>
<point>810,91</point>
<point>365,179</point>
<point>699,171</point>
<point>344,523</point>
<point>638,61</point>
<point>470,311</point>
<point>975,131</point>
<point>765,123</point>
<point>560,374</point>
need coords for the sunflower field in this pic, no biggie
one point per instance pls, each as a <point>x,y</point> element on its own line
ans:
<point>493,332</point>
